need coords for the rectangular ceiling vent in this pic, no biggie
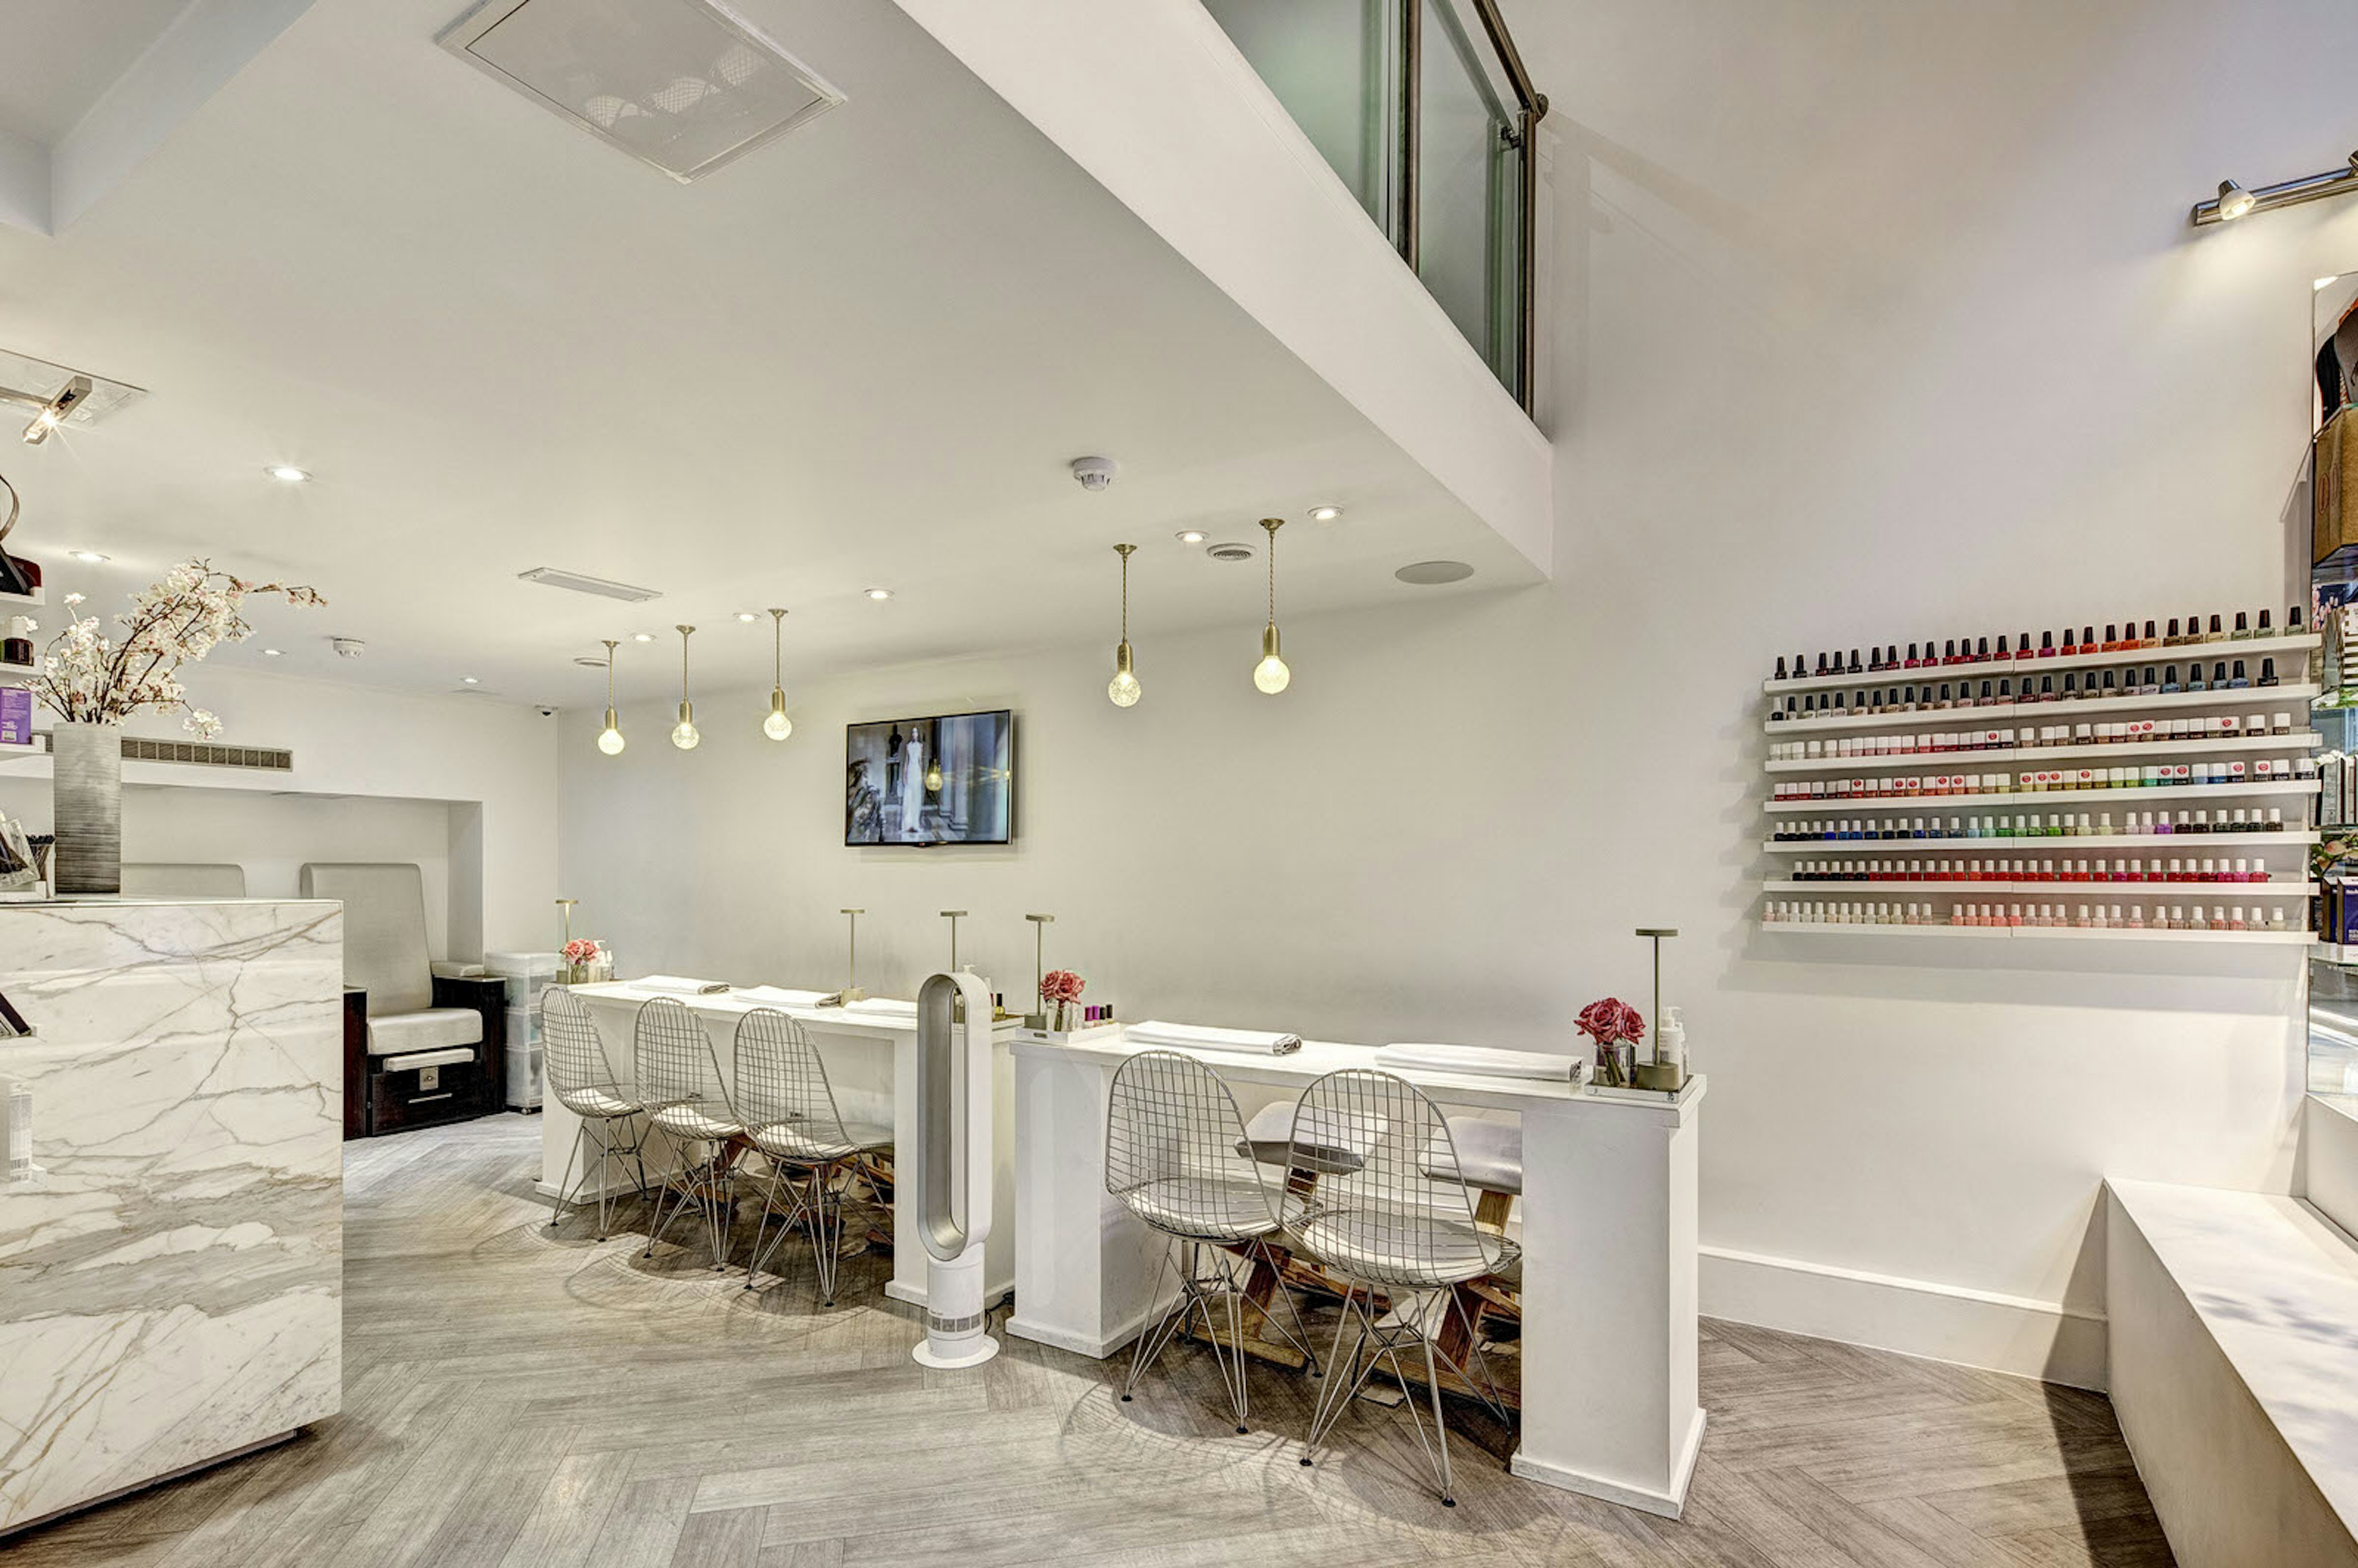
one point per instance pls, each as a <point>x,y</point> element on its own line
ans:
<point>557,577</point>
<point>685,85</point>
<point>199,753</point>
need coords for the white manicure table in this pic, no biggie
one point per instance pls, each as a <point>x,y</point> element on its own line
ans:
<point>1609,1405</point>
<point>872,1066</point>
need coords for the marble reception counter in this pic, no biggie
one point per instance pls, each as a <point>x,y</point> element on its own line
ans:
<point>171,1271</point>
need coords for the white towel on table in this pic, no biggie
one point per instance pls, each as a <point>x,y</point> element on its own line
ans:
<point>1199,1037</point>
<point>680,985</point>
<point>1480,1062</point>
<point>781,995</point>
<point>889,1006</point>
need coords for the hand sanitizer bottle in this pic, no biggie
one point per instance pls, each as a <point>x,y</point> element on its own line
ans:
<point>1670,1044</point>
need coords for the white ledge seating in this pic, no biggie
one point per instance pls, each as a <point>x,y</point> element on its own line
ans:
<point>2233,1341</point>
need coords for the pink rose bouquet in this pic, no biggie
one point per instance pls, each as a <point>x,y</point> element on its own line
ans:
<point>1062,984</point>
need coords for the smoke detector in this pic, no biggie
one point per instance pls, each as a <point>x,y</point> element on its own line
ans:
<point>684,85</point>
<point>1094,473</point>
<point>348,647</point>
<point>1232,551</point>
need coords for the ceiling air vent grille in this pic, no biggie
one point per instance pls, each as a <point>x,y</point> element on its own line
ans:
<point>685,85</point>
<point>200,754</point>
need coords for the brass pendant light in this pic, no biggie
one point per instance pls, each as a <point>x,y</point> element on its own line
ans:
<point>1123,689</point>
<point>683,734</point>
<point>777,726</point>
<point>610,738</point>
<point>1271,674</point>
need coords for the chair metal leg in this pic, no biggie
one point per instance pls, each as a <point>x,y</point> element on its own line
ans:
<point>1440,1427</point>
<point>1299,1335</point>
<point>565,1182</point>
<point>825,1231</point>
<point>1340,1391</point>
<point>770,1206</point>
<point>1159,1333</point>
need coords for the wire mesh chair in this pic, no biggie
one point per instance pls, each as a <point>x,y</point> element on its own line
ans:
<point>1397,1219</point>
<point>679,1083</point>
<point>583,1080</point>
<point>1177,1155</point>
<point>788,1110</point>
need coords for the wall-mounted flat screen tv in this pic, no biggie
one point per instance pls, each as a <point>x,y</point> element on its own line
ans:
<point>924,781</point>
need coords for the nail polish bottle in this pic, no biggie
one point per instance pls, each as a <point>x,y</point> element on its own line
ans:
<point>2110,690</point>
<point>1946,698</point>
<point>2243,632</point>
<point>1987,698</point>
<point>2194,681</point>
<point>1855,667</point>
<point>2219,677</point>
<point>2170,681</point>
<point>2087,639</point>
<point>2217,634</point>
<point>1822,666</point>
<point>2268,668</point>
<point>2293,626</point>
<point>2002,651</point>
<point>1981,650</point>
<point>2149,639</point>
<point>2046,644</point>
<point>2046,688</point>
<point>1913,660</point>
<point>2071,687</point>
<point>2112,643</point>
<point>2022,648</point>
<point>2175,637</point>
<point>2238,680</point>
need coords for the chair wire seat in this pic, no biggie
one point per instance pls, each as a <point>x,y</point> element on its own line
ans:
<point>782,1098</point>
<point>581,1079</point>
<point>1177,1157</point>
<point>1398,1220</point>
<point>679,1082</point>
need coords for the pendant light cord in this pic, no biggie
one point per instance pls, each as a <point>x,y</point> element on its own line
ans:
<point>685,632</point>
<point>610,670</point>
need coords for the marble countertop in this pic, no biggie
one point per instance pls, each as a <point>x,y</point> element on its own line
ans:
<point>736,1004</point>
<point>2277,1285</point>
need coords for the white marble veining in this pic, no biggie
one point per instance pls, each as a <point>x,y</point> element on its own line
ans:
<point>172,1289</point>
<point>2277,1288</point>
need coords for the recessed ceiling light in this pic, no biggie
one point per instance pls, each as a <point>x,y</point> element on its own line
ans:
<point>1324,514</point>
<point>746,616</point>
<point>93,556</point>
<point>879,593</point>
<point>1191,535</point>
<point>288,473</point>
<point>274,653</point>
<point>642,636</point>
<point>470,680</point>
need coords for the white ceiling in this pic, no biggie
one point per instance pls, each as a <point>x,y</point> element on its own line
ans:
<point>862,355</point>
<point>61,57</point>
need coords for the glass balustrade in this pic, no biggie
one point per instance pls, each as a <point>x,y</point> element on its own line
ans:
<point>1422,108</point>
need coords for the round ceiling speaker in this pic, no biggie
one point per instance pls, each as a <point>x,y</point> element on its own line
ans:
<point>1234,550</point>
<point>1432,574</point>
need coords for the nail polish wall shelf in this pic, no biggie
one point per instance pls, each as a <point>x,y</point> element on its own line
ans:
<point>2024,844</point>
<point>2039,933</point>
<point>2216,893</point>
<point>2003,715</point>
<point>1994,669</point>
<point>18,674</point>
<point>16,603</point>
<point>2335,953</point>
<point>1826,805</point>
<point>1916,761</point>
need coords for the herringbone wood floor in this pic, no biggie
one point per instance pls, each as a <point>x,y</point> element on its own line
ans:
<point>516,1398</point>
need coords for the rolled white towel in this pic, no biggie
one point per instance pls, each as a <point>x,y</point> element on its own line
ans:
<point>1200,1037</point>
<point>680,985</point>
<point>1481,1062</point>
<point>780,996</point>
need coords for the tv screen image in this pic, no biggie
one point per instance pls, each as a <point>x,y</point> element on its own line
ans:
<point>946,780</point>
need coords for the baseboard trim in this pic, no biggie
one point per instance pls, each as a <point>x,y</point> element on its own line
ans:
<point>1094,1348</point>
<point>2018,1334</point>
<point>1661,1505</point>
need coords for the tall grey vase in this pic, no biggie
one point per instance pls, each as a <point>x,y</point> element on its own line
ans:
<point>86,806</point>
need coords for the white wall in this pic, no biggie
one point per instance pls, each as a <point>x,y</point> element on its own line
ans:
<point>1877,322</point>
<point>465,787</point>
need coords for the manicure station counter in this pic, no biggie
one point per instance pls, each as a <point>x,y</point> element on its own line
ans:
<point>1608,1339</point>
<point>171,1240</point>
<point>870,1053</point>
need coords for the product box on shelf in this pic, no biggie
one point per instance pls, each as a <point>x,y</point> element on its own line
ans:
<point>15,716</point>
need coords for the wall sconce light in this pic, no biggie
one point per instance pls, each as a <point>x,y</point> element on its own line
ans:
<point>2233,201</point>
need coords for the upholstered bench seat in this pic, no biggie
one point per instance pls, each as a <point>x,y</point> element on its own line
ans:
<point>1490,1154</point>
<point>433,1029</point>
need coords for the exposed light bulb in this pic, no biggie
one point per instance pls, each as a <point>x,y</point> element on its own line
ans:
<point>610,738</point>
<point>2233,200</point>
<point>1271,674</point>
<point>685,735</point>
<point>1123,689</point>
<point>777,726</point>
<point>934,773</point>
